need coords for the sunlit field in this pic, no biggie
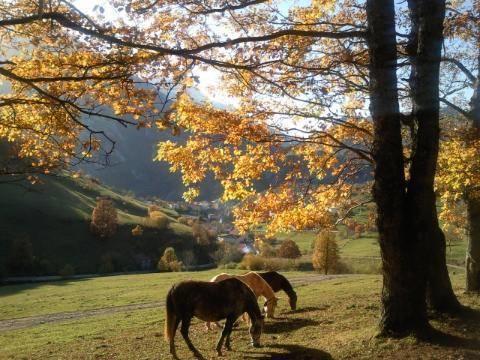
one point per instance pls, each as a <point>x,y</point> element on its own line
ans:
<point>336,318</point>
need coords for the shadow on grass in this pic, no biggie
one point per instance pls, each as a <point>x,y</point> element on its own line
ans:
<point>11,289</point>
<point>285,325</point>
<point>459,332</point>
<point>306,309</point>
<point>291,352</point>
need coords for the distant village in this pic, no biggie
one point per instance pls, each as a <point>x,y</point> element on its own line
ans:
<point>217,216</point>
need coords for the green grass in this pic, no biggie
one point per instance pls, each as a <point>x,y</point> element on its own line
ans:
<point>367,246</point>
<point>336,317</point>
<point>302,238</point>
<point>54,216</point>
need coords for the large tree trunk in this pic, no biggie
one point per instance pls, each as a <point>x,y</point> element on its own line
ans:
<point>425,45</point>
<point>472,263</point>
<point>404,279</point>
<point>473,250</point>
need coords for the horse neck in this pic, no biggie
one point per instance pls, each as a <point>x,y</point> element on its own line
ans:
<point>287,287</point>
<point>267,291</point>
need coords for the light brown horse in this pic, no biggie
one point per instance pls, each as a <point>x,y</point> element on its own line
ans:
<point>211,301</point>
<point>259,287</point>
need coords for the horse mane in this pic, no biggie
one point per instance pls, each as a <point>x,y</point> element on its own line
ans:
<point>270,293</point>
<point>287,287</point>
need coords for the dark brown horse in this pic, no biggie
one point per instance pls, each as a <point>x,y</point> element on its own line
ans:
<point>279,282</point>
<point>211,301</point>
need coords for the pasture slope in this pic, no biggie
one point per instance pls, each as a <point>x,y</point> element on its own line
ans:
<point>54,217</point>
<point>122,317</point>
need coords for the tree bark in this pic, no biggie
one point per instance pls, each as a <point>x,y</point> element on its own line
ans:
<point>472,261</point>
<point>404,279</point>
<point>425,50</point>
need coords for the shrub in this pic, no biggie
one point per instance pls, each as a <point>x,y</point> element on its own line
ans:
<point>110,262</point>
<point>359,229</point>
<point>20,259</point>
<point>256,262</point>
<point>264,246</point>
<point>169,261</point>
<point>289,249</point>
<point>67,271</point>
<point>201,235</point>
<point>137,231</point>
<point>104,218</point>
<point>153,208</point>
<point>184,220</point>
<point>325,253</point>
<point>228,253</point>
<point>157,219</point>
<point>252,262</point>
<point>106,267</point>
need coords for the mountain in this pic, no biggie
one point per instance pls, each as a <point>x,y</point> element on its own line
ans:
<point>131,166</point>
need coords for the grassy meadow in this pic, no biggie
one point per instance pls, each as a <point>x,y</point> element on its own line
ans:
<point>336,318</point>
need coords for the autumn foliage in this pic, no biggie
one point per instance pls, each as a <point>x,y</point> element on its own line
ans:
<point>104,218</point>
<point>169,261</point>
<point>289,249</point>
<point>325,253</point>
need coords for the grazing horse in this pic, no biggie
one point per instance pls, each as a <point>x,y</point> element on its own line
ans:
<point>259,287</point>
<point>210,302</point>
<point>279,282</point>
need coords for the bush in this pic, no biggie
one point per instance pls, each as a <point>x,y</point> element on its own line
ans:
<point>157,219</point>
<point>20,259</point>
<point>106,267</point>
<point>137,231</point>
<point>359,229</point>
<point>228,253</point>
<point>169,261</point>
<point>110,263</point>
<point>152,209</point>
<point>184,220</point>
<point>256,263</point>
<point>289,249</point>
<point>104,218</point>
<point>325,253</point>
<point>67,271</point>
<point>265,247</point>
<point>252,262</point>
<point>201,235</point>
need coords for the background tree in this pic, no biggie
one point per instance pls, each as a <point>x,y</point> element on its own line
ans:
<point>325,253</point>
<point>289,249</point>
<point>104,218</point>
<point>458,180</point>
<point>169,261</point>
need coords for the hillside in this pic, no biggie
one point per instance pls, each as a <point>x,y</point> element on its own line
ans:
<point>54,217</point>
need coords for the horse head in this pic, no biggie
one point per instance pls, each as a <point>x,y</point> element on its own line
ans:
<point>269,307</point>
<point>256,329</point>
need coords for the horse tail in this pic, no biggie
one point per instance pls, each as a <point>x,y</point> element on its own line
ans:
<point>170,317</point>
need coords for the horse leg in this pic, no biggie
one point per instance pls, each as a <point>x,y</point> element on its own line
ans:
<point>184,330</point>
<point>227,342</point>
<point>227,329</point>
<point>172,339</point>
